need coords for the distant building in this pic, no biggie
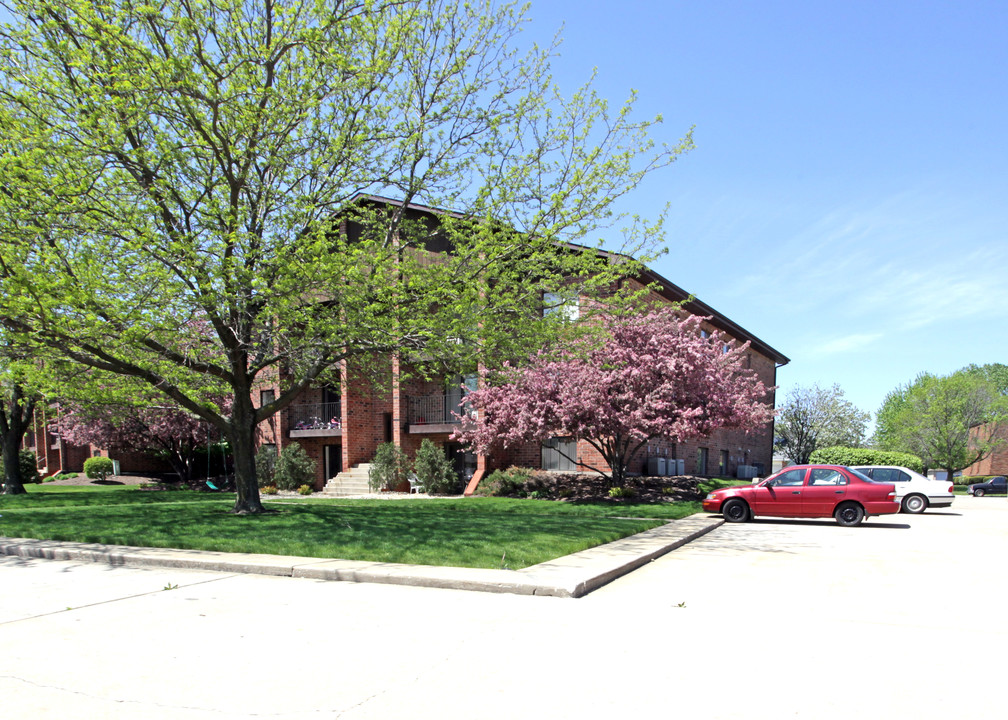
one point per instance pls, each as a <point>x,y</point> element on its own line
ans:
<point>997,462</point>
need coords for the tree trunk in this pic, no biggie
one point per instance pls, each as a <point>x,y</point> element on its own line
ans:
<point>13,423</point>
<point>12,481</point>
<point>242,438</point>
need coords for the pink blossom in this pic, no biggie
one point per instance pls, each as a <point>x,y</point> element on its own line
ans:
<point>652,376</point>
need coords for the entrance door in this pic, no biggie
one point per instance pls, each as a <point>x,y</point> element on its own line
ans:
<point>333,457</point>
<point>464,462</point>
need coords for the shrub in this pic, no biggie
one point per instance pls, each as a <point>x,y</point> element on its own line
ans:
<point>434,471</point>
<point>839,455</point>
<point>306,489</point>
<point>389,469</point>
<point>965,480</point>
<point>294,468</point>
<point>29,470</point>
<point>505,483</point>
<point>98,468</point>
<point>621,492</point>
<point>268,490</point>
<point>266,464</point>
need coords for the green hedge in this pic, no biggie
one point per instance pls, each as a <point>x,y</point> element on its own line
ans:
<point>839,455</point>
<point>971,479</point>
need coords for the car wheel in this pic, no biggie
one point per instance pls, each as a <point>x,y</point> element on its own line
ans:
<point>849,514</point>
<point>735,510</point>
<point>914,504</point>
<point>978,492</point>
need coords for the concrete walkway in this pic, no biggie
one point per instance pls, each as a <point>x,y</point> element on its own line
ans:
<point>570,576</point>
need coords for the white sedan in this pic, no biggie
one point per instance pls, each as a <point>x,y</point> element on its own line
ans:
<point>915,492</point>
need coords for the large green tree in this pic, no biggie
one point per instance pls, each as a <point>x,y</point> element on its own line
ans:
<point>815,417</point>
<point>933,416</point>
<point>182,186</point>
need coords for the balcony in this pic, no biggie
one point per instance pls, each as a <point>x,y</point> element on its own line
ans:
<point>315,420</point>
<point>429,414</point>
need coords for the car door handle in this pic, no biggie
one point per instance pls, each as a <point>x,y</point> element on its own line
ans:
<point>839,492</point>
<point>796,492</point>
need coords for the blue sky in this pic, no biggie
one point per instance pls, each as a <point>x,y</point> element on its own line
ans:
<point>847,200</point>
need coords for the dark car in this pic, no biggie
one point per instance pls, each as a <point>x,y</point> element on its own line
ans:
<point>807,491</point>
<point>997,485</point>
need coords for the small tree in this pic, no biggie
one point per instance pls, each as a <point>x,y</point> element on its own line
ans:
<point>266,465</point>
<point>389,468</point>
<point>294,468</point>
<point>98,468</point>
<point>815,417</point>
<point>158,428</point>
<point>434,471</point>
<point>652,376</point>
<point>29,470</point>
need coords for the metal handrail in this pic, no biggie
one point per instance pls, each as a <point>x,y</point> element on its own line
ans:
<point>315,416</point>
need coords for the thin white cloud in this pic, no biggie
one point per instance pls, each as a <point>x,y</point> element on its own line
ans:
<point>845,344</point>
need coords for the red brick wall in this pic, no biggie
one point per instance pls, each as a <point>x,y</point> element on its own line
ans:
<point>997,462</point>
<point>367,398</point>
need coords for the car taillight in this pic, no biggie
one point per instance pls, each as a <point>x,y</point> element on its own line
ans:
<point>892,495</point>
<point>951,488</point>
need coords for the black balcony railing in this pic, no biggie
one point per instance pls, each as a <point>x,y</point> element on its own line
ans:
<point>436,409</point>
<point>315,416</point>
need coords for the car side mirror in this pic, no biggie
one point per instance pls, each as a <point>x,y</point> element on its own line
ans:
<point>769,483</point>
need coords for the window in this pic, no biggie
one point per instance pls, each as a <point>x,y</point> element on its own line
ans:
<point>725,348</point>
<point>889,475</point>
<point>701,461</point>
<point>723,463</point>
<point>790,478</point>
<point>824,476</point>
<point>559,454</point>
<point>456,389</point>
<point>704,334</point>
<point>566,308</point>
<point>266,397</point>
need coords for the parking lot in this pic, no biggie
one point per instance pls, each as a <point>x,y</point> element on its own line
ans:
<point>768,619</point>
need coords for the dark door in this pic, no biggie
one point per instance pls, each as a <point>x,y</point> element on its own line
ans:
<point>333,457</point>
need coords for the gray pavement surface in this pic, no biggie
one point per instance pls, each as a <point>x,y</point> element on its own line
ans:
<point>769,619</point>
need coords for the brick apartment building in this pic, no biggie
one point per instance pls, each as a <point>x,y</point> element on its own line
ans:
<point>341,426</point>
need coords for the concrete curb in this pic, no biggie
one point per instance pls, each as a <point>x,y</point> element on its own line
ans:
<point>570,576</point>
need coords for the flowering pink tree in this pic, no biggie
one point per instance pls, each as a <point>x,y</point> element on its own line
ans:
<point>653,376</point>
<point>168,431</point>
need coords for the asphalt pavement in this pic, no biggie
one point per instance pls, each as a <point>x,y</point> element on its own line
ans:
<point>768,619</point>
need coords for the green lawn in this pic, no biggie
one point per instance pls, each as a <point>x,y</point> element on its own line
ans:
<point>470,532</point>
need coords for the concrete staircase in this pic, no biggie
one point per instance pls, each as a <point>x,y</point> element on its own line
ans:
<point>353,481</point>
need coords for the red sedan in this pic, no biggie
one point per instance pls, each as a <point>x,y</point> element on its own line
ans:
<point>808,491</point>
